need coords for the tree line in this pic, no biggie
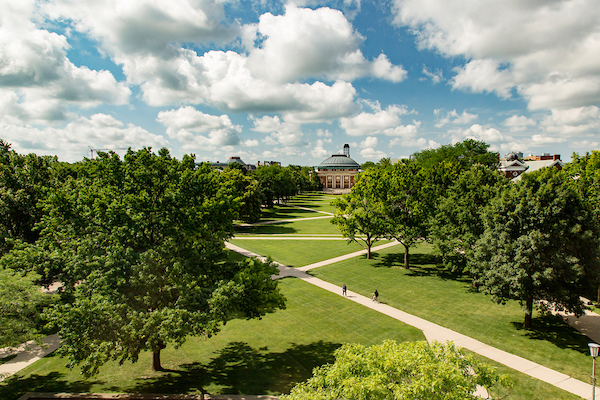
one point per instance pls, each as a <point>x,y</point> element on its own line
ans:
<point>535,241</point>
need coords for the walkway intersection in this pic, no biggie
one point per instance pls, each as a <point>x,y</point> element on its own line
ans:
<point>433,332</point>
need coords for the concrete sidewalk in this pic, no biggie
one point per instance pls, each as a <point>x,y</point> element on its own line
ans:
<point>434,332</point>
<point>26,355</point>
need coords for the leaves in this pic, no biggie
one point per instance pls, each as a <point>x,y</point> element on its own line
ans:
<point>398,371</point>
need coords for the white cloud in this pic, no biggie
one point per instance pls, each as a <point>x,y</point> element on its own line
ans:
<point>452,117</point>
<point>478,132</point>
<point>573,121</point>
<point>188,124</point>
<point>370,141</point>
<point>518,123</point>
<point>36,73</point>
<point>318,151</point>
<point>72,141</point>
<point>306,43</point>
<point>421,143</point>
<point>436,77</point>
<point>372,154</point>
<point>549,51</point>
<point>386,122</point>
<point>281,132</point>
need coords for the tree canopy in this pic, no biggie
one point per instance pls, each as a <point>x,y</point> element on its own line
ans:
<point>144,262</point>
<point>401,371</point>
<point>540,242</point>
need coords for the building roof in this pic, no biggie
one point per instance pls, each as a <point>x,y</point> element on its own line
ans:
<point>539,164</point>
<point>338,161</point>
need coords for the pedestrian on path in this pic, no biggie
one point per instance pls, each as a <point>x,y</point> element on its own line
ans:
<point>376,296</point>
<point>344,290</point>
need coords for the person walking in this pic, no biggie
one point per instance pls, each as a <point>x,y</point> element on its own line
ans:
<point>376,296</point>
<point>344,290</point>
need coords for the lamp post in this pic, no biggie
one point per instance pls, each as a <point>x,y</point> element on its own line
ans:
<point>594,350</point>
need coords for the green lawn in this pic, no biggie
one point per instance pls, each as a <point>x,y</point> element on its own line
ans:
<point>321,226</point>
<point>316,201</point>
<point>428,292</point>
<point>297,253</point>
<point>265,356</point>
<point>287,212</point>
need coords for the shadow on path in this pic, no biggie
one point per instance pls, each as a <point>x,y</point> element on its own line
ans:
<point>14,387</point>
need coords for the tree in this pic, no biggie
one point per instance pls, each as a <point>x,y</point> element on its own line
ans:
<point>466,153</point>
<point>399,198</point>
<point>23,182</point>
<point>143,237</point>
<point>21,302</point>
<point>541,242</point>
<point>246,192</point>
<point>457,223</point>
<point>400,371</point>
<point>358,218</point>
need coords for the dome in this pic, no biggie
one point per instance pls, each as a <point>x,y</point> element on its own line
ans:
<point>338,161</point>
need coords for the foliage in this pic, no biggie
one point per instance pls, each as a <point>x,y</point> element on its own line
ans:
<point>401,201</point>
<point>466,154</point>
<point>246,192</point>
<point>457,223</point>
<point>21,301</point>
<point>23,182</point>
<point>142,244</point>
<point>411,370</point>
<point>358,218</point>
<point>585,177</point>
<point>540,242</point>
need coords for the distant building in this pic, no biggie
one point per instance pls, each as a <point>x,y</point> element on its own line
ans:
<point>223,165</point>
<point>337,172</point>
<point>513,166</point>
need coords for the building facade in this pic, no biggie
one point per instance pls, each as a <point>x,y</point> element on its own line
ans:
<point>338,171</point>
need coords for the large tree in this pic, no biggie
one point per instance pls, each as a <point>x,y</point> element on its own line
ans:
<point>399,198</point>
<point>359,218</point>
<point>466,154</point>
<point>457,222</point>
<point>142,244</point>
<point>401,371</point>
<point>541,242</point>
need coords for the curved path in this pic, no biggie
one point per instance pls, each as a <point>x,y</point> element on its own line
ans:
<point>434,332</point>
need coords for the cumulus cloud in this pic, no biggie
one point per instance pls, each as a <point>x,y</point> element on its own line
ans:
<point>386,122</point>
<point>280,132</point>
<point>436,77</point>
<point>72,141</point>
<point>452,117</point>
<point>188,126</point>
<point>37,80</point>
<point>549,52</point>
<point>518,123</point>
<point>573,121</point>
<point>479,132</point>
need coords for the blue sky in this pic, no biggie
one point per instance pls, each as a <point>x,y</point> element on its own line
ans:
<point>294,81</point>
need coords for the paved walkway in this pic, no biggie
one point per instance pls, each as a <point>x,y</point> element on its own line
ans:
<point>434,332</point>
<point>26,355</point>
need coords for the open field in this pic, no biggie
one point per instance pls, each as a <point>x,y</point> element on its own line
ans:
<point>266,356</point>
<point>297,253</point>
<point>301,227</point>
<point>316,201</point>
<point>432,294</point>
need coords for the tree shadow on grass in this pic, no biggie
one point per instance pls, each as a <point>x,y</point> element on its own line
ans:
<point>417,260</point>
<point>278,228</point>
<point>242,369</point>
<point>555,330</point>
<point>16,386</point>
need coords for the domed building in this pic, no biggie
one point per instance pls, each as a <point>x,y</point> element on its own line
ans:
<point>337,172</point>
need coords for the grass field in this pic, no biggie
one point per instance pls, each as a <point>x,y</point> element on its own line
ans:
<point>450,301</point>
<point>297,253</point>
<point>302,227</point>
<point>316,201</point>
<point>266,356</point>
<point>287,212</point>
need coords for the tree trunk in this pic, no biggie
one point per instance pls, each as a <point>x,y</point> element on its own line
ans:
<point>406,264</point>
<point>156,357</point>
<point>368,252</point>
<point>528,312</point>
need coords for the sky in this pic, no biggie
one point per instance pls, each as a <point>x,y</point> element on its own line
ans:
<point>293,81</point>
